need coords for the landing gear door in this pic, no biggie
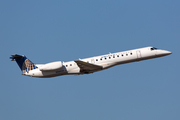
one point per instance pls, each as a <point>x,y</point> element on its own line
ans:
<point>138,52</point>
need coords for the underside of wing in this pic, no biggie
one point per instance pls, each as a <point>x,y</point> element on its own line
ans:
<point>87,67</point>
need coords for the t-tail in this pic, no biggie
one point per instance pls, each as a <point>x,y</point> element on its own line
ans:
<point>25,64</point>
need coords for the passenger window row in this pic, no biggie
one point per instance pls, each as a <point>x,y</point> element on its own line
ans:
<point>69,65</point>
<point>114,56</point>
<point>107,57</point>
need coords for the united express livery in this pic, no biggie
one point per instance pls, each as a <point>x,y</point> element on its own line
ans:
<point>87,65</point>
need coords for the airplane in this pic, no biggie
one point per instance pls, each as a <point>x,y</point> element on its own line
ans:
<point>87,65</point>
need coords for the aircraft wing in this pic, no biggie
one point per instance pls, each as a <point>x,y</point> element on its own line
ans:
<point>87,67</point>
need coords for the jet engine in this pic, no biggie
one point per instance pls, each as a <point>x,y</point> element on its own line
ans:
<point>51,66</point>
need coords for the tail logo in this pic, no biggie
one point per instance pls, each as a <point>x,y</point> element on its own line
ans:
<point>28,66</point>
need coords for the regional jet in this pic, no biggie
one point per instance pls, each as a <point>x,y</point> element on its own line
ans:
<point>87,65</point>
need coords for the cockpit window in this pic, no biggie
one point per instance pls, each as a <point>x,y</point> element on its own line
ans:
<point>153,48</point>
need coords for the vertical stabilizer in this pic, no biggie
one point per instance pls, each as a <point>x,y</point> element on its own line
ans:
<point>25,64</point>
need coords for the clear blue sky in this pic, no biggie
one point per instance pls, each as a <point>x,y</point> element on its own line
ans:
<point>47,31</point>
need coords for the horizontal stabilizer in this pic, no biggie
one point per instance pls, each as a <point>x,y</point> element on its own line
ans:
<point>16,56</point>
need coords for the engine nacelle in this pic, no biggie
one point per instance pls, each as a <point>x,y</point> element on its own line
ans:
<point>51,66</point>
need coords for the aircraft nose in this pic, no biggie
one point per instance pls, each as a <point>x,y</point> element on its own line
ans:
<point>164,52</point>
<point>168,52</point>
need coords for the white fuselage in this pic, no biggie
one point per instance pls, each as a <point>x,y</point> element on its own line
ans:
<point>105,61</point>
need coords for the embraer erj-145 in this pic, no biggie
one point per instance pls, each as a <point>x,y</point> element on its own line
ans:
<point>87,65</point>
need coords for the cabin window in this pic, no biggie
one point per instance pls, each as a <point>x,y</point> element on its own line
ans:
<point>109,57</point>
<point>105,58</point>
<point>117,55</point>
<point>101,59</point>
<point>96,59</point>
<point>114,56</point>
<point>122,55</point>
<point>66,65</point>
<point>131,53</point>
<point>70,64</point>
<point>126,54</point>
